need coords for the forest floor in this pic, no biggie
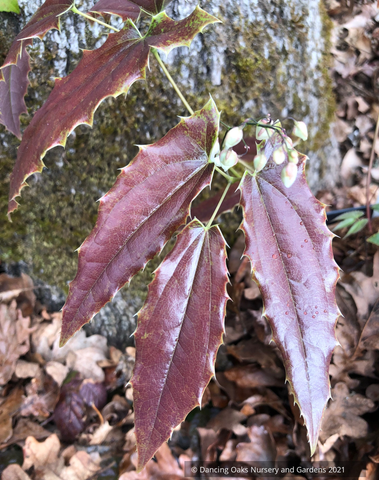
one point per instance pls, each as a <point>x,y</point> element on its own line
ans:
<point>66,414</point>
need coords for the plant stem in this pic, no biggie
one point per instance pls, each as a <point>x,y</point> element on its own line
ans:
<point>93,19</point>
<point>228,177</point>
<point>368,180</point>
<point>209,224</point>
<point>247,165</point>
<point>171,80</point>
<point>235,173</point>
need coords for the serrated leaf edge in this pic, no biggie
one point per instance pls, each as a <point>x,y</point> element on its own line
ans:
<point>312,442</point>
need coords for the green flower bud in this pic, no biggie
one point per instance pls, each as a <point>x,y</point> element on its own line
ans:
<point>233,137</point>
<point>289,174</point>
<point>293,156</point>
<point>260,161</point>
<point>228,158</point>
<point>300,130</point>
<point>279,156</point>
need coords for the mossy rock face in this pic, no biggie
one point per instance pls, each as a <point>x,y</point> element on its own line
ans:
<point>266,57</point>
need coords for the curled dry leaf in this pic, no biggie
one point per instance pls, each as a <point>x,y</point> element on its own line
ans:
<point>229,419</point>
<point>14,472</point>
<point>343,414</point>
<point>251,376</point>
<point>8,409</point>
<point>14,340</point>
<point>19,288</point>
<point>42,454</point>
<point>42,396</point>
<point>261,448</point>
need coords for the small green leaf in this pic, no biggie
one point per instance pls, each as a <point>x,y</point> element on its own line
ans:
<point>375,207</point>
<point>353,214</point>
<point>9,6</point>
<point>357,227</point>
<point>344,224</point>
<point>374,239</point>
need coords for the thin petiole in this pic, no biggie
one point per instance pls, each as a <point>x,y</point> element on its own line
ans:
<point>246,165</point>
<point>93,19</point>
<point>209,224</point>
<point>228,177</point>
<point>171,80</point>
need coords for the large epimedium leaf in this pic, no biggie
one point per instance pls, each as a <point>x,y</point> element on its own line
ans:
<point>107,71</point>
<point>179,332</point>
<point>129,8</point>
<point>12,91</point>
<point>14,72</point>
<point>290,249</point>
<point>46,18</point>
<point>148,203</point>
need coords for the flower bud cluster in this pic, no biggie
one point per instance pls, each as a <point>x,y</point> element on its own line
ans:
<point>227,158</point>
<point>284,151</point>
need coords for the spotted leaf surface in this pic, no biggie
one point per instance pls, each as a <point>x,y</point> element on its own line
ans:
<point>290,250</point>
<point>129,8</point>
<point>179,332</point>
<point>148,203</point>
<point>107,71</point>
<point>12,91</point>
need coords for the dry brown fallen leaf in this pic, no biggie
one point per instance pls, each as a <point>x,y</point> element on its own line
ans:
<point>363,289</point>
<point>14,472</point>
<point>14,339</point>
<point>42,396</point>
<point>350,162</point>
<point>229,419</point>
<point>49,463</point>
<point>19,288</point>
<point>165,467</point>
<point>261,447</point>
<point>8,409</point>
<point>26,428</point>
<point>342,414</point>
<point>251,376</point>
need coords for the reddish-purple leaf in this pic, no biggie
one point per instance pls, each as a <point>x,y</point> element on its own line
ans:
<point>290,249</point>
<point>46,18</point>
<point>14,72</point>
<point>148,203</point>
<point>107,71</point>
<point>179,332</point>
<point>129,8</point>
<point>13,88</point>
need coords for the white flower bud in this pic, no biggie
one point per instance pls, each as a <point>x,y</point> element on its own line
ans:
<point>293,156</point>
<point>261,133</point>
<point>279,156</point>
<point>228,158</point>
<point>300,130</point>
<point>289,174</point>
<point>233,137</point>
<point>260,161</point>
<point>214,152</point>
